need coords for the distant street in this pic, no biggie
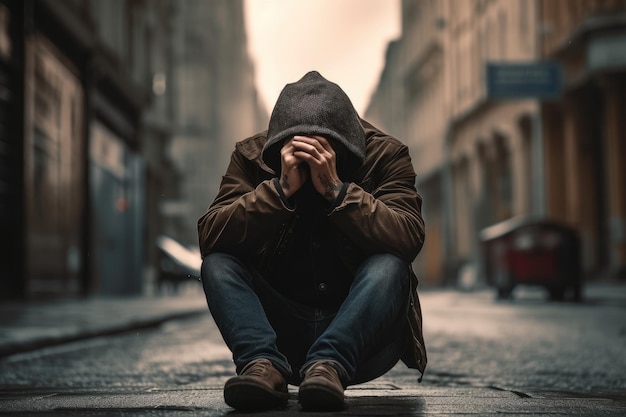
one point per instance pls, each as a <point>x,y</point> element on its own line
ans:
<point>523,345</point>
<point>526,343</point>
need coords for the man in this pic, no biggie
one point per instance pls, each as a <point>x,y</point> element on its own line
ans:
<point>307,251</point>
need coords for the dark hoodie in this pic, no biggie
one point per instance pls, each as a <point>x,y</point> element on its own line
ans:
<point>315,106</point>
<point>308,271</point>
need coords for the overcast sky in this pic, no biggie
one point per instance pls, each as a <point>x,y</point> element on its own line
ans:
<point>345,40</point>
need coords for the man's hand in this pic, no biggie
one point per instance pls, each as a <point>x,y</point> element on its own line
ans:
<point>322,160</point>
<point>293,173</point>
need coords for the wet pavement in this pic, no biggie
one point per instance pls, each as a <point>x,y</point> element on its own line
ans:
<point>27,326</point>
<point>164,356</point>
<point>361,402</point>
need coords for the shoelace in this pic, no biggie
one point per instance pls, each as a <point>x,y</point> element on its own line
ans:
<point>322,371</point>
<point>258,368</point>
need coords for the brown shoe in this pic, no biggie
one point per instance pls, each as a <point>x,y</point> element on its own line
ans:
<point>259,386</point>
<point>321,388</point>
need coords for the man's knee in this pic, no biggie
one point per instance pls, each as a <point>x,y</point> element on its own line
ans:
<point>386,264</point>
<point>387,270</point>
<point>220,266</point>
<point>213,263</point>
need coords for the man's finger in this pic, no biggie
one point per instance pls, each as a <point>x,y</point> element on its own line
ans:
<point>324,150</point>
<point>322,140</point>
<point>286,146</point>
<point>319,142</point>
<point>306,147</point>
<point>327,146</point>
<point>306,157</point>
<point>313,141</point>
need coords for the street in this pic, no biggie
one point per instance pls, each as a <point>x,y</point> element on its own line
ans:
<point>526,343</point>
<point>525,348</point>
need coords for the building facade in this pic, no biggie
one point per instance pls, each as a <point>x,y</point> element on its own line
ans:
<point>488,142</point>
<point>481,161</point>
<point>585,131</point>
<point>90,102</point>
<point>409,103</point>
<point>80,83</point>
<point>216,105</point>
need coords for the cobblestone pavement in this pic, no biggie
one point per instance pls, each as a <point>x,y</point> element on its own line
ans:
<point>520,357</point>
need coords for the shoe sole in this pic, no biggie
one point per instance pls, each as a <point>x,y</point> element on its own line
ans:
<point>249,396</point>
<point>322,398</point>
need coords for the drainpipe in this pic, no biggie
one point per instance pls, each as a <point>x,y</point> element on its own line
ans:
<point>538,174</point>
<point>448,199</point>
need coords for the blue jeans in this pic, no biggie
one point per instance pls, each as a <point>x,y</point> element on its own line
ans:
<point>364,338</point>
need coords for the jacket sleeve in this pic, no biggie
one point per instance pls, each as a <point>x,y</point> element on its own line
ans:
<point>243,214</point>
<point>389,219</point>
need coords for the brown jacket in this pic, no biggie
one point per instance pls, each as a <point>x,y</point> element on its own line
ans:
<point>380,213</point>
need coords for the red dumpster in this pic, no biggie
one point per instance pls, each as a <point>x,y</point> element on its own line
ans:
<point>527,251</point>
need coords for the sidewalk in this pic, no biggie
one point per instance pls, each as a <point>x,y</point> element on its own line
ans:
<point>28,326</point>
<point>365,401</point>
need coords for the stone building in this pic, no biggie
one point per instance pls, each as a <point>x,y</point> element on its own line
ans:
<point>79,148</point>
<point>216,104</point>
<point>91,95</point>
<point>585,131</point>
<point>479,160</point>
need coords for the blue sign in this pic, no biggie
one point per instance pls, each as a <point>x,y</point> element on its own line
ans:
<point>542,80</point>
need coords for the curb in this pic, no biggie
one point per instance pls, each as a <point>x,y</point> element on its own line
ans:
<point>13,348</point>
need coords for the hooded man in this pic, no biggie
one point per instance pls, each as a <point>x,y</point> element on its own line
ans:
<point>307,253</point>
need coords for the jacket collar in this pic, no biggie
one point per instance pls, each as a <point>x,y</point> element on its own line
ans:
<point>252,148</point>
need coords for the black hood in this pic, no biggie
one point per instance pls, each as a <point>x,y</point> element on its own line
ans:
<point>314,106</point>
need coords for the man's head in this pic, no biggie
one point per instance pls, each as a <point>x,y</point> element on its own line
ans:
<point>315,106</point>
